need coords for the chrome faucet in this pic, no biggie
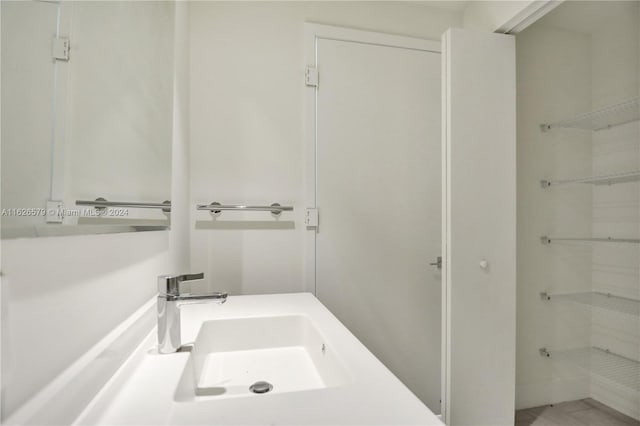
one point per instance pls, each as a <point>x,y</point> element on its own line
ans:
<point>169,301</point>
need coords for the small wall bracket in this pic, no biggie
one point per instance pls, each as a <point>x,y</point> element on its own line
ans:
<point>311,217</point>
<point>545,240</point>
<point>60,49</point>
<point>544,352</point>
<point>545,296</point>
<point>311,77</point>
<point>167,210</point>
<point>276,213</point>
<point>215,213</point>
<point>100,209</point>
<point>55,211</point>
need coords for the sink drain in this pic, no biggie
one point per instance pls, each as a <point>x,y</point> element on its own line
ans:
<point>261,387</point>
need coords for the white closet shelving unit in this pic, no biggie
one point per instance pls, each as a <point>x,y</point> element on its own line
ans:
<point>600,300</point>
<point>548,240</point>
<point>603,118</point>
<point>633,176</point>
<point>599,362</point>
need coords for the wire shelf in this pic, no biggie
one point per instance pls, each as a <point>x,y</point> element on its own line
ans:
<point>548,240</point>
<point>599,300</point>
<point>596,180</point>
<point>601,362</point>
<point>604,118</point>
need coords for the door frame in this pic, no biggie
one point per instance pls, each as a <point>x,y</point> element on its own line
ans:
<point>312,33</point>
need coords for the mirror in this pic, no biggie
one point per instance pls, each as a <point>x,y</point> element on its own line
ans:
<point>87,107</point>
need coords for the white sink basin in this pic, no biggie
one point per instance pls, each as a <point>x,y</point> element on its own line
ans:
<point>275,338</point>
<point>229,355</point>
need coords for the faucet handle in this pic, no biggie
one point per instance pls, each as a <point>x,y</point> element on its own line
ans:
<point>170,284</point>
<point>190,277</point>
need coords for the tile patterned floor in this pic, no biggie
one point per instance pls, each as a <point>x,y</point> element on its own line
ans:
<point>583,412</point>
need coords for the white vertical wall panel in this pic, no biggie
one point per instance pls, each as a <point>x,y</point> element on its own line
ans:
<point>181,209</point>
<point>480,224</point>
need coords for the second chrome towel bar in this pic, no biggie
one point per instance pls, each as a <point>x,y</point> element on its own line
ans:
<point>216,207</point>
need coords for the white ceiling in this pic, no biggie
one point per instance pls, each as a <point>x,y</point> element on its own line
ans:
<point>456,6</point>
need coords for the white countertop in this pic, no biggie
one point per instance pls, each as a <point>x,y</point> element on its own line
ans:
<point>142,392</point>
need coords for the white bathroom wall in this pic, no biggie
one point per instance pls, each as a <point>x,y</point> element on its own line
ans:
<point>247,118</point>
<point>61,295</point>
<point>554,82</point>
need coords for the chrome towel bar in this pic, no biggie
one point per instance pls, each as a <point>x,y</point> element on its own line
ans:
<point>216,207</point>
<point>101,203</point>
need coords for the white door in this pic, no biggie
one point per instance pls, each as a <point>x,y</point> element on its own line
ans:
<point>479,147</point>
<point>378,191</point>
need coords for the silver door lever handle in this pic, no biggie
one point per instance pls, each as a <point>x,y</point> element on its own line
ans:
<point>437,263</point>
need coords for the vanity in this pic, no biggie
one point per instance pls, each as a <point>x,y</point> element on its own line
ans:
<point>306,368</point>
